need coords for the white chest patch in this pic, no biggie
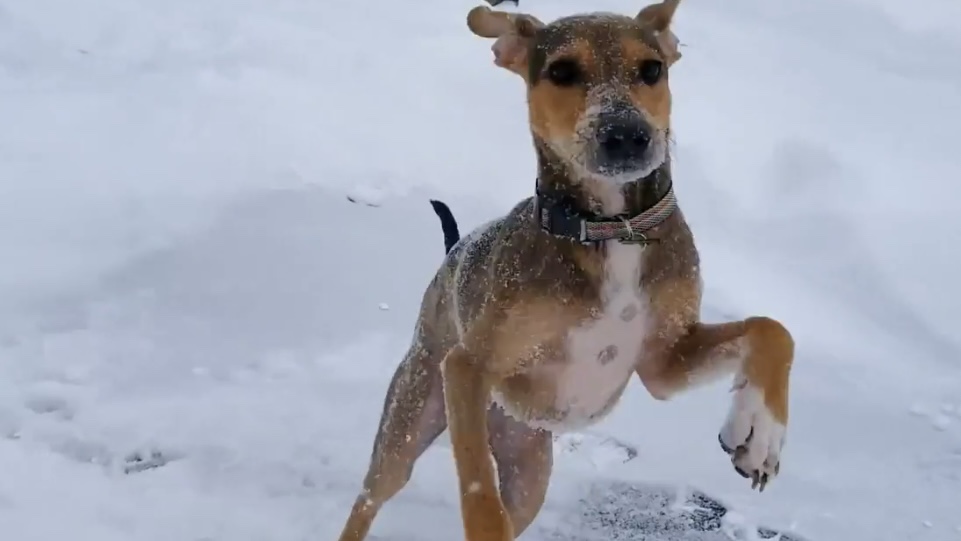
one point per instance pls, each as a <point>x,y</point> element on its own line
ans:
<point>602,353</point>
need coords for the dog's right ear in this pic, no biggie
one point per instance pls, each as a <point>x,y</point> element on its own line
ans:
<point>513,33</point>
<point>658,18</point>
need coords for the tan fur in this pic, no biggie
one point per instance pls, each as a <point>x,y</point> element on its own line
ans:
<point>529,331</point>
<point>656,100</point>
<point>503,315</point>
<point>468,387</point>
<point>555,111</point>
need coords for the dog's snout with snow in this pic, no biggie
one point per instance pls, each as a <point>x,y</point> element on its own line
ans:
<point>622,142</point>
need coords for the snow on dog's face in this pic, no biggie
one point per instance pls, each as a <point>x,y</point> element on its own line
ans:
<point>598,93</point>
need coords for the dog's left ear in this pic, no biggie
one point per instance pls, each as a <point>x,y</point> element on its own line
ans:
<point>658,18</point>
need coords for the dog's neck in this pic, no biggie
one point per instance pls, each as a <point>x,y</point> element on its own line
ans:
<point>554,178</point>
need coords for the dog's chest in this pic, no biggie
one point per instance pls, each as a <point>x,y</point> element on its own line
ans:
<point>603,351</point>
<point>599,355</point>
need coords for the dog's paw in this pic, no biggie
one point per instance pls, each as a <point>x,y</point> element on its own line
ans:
<point>753,437</point>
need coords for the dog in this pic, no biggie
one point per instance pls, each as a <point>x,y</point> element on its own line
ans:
<point>536,322</point>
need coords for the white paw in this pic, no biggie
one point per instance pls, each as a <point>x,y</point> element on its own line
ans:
<point>752,436</point>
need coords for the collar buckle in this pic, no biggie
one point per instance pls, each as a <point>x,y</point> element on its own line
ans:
<point>559,221</point>
<point>634,236</point>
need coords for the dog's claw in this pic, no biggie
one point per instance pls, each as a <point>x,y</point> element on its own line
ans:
<point>739,450</point>
<point>759,479</point>
<point>724,446</point>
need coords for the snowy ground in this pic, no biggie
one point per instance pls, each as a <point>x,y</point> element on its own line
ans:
<point>182,273</point>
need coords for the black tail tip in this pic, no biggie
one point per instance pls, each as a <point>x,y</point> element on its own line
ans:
<point>447,223</point>
<point>440,207</point>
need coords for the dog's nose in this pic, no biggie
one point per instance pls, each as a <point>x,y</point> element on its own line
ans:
<point>623,139</point>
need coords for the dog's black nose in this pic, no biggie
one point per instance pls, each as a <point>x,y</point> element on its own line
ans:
<point>622,139</point>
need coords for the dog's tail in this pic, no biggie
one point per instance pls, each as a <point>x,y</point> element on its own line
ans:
<point>447,224</point>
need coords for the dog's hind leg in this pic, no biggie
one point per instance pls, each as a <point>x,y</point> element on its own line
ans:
<point>525,458</point>
<point>412,418</point>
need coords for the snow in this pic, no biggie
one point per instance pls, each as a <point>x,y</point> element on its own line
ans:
<point>188,294</point>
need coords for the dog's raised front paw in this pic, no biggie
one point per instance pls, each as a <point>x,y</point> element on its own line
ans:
<point>752,436</point>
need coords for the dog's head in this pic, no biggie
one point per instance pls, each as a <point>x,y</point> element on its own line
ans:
<point>597,85</point>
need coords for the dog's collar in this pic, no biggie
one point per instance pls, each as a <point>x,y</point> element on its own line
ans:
<point>560,218</point>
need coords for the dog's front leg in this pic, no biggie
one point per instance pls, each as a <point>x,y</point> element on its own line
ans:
<point>466,392</point>
<point>759,351</point>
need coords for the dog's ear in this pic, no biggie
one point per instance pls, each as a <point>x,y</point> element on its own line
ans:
<point>512,32</point>
<point>658,18</point>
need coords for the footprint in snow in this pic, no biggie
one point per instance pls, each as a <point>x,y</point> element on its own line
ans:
<point>140,461</point>
<point>370,196</point>
<point>596,449</point>
<point>51,398</point>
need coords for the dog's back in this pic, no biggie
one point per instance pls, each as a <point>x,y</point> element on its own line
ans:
<point>470,263</point>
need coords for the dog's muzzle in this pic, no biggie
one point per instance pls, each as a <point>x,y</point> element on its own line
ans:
<point>622,141</point>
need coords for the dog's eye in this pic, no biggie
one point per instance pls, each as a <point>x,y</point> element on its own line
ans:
<point>564,73</point>
<point>650,72</point>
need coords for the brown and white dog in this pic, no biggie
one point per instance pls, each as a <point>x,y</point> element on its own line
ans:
<point>537,321</point>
